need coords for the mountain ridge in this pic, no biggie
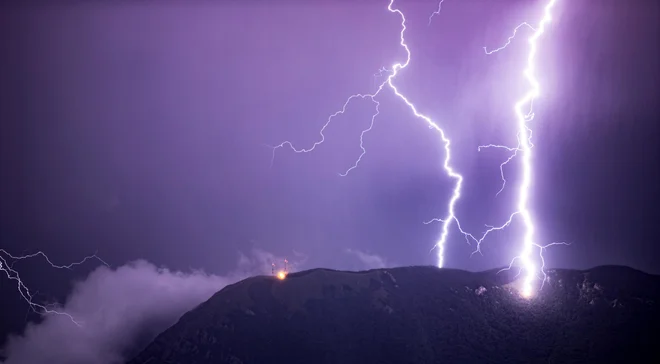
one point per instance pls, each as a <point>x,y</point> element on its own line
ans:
<point>418,314</point>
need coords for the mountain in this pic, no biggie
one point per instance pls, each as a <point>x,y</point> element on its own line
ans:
<point>608,314</point>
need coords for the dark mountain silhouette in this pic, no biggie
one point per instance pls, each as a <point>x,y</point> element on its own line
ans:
<point>418,315</point>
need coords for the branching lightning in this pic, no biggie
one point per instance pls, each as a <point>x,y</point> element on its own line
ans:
<point>389,81</point>
<point>7,261</point>
<point>508,41</point>
<point>524,147</point>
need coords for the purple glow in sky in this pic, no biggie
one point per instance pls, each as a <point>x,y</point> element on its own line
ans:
<point>140,131</point>
<point>393,72</point>
<point>524,135</point>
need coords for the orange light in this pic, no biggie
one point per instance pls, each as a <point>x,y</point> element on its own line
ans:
<point>281,275</point>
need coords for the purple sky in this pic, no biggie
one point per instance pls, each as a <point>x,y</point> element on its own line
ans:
<point>140,131</point>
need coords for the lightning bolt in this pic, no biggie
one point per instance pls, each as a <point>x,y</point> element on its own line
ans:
<point>23,290</point>
<point>437,12</point>
<point>508,41</point>
<point>524,147</point>
<point>389,82</point>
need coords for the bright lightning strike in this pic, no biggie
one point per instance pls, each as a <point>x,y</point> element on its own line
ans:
<point>525,146</point>
<point>389,81</point>
<point>12,274</point>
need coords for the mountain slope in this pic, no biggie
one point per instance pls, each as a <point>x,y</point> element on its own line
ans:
<point>419,315</point>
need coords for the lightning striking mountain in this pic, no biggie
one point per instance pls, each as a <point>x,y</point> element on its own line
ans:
<point>389,82</point>
<point>524,147</point>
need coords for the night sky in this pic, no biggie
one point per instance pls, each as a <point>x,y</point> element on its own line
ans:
<point>141,131</point>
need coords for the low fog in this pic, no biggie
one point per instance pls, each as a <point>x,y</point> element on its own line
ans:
<point>121,310</point>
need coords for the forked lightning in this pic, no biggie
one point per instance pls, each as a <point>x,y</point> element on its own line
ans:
<point>532,270</point>
<point>6,265</point>
<point>389,81</point>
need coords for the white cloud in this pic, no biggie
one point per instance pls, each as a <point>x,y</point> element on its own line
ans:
<point>122,309</point>
<point>370,261</point>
